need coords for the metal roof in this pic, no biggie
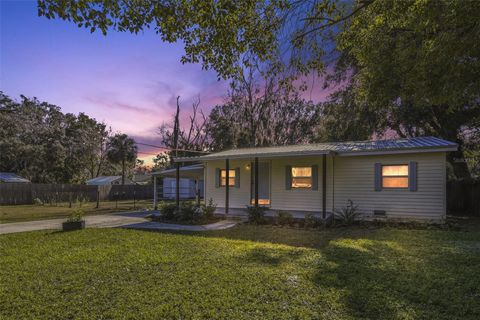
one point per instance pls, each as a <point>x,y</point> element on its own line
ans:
<point>101,180</point>
<point>11,177</point>
<point>192,172</point>
<point>418,144</point>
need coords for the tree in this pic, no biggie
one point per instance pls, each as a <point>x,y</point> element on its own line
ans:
<point>41,143</point>
<point>193,138</point>
<point>419,64</point>
<point>264,114</point>
<point>160,161</point>
<point>344,119</point>
<point>122,150</point>
<point>415,62</point>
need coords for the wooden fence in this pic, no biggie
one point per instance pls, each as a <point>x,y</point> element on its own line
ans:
<point>463,197</point>
<point>25,193</point>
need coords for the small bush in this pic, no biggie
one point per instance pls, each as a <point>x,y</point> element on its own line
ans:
<point>37,202</point>
<point>168,211</point>
<point>76,216</point>
<point>190,212</point>
<point>209,209</point>
<point>347,215</point>
<point>285,218</point>
<point>256,214</point>
<point>311,221</point>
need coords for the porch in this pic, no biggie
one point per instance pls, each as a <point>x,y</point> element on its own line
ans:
<point>242,214</point>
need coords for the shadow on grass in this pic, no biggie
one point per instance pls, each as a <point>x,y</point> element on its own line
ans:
<point>378,273</point>
<point>384,280</point>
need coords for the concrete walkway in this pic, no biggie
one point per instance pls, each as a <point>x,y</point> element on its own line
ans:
<point>130,220</point>
<point>95,221</point>
<point>220,225</point>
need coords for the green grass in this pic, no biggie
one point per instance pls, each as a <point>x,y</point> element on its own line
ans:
<point>248,272</point>
<point>19,213</point>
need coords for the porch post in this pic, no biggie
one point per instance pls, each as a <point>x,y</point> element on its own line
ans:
<point>227,184</point>
<point>177,185</point>
<point>197,192</point>
<point>324,186</point>
<point>256,181</point>
<point>155,195</point>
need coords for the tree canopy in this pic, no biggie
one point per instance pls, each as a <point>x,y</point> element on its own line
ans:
<point>43,144</point>
<point>405,67</point>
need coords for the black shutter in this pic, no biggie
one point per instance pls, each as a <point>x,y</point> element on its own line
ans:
<point>217,177</point>
<point>378,177</point>
<point>315,177</point>
<point>412,176</point>
<point>237,177</point>
<point>288,177</point>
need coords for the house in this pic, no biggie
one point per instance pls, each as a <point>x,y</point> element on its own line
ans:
<point>395,179</point>
<point>10,177</point>
<point>108,180</point>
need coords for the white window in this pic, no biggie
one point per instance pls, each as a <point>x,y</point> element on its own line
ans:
<point>395,176</point>
<point>301,177</point>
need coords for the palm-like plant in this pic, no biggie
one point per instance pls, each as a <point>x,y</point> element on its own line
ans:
<point>122,149</point>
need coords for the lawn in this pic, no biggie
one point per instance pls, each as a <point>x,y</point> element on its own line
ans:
<point>247,272</point>
<point>19,213</point>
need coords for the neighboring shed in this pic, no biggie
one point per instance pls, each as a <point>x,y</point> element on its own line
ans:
<point>10,177</point>
<point>108,180</point>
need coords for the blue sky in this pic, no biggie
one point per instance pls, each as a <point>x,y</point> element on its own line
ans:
<point>128,81</point>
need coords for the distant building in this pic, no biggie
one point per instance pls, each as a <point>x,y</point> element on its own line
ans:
<point>142,179</point>
<point>108,180</point>
<point>10,177</point>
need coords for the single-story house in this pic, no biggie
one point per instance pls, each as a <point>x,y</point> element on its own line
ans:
<point>108,180</point>
<point>397,178</point>
<point>10,177</point>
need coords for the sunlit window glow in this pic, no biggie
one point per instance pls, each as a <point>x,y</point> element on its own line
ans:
<point>301,177</point>
<point>223,178</point>
<point>395,176</point>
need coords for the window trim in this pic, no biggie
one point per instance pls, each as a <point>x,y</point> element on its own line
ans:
<point>396,176</point>
<point>229,177</point>
<point>309,177</point>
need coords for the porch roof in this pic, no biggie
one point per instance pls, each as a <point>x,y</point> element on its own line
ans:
<point>192,172</point>
<point>418,144</point>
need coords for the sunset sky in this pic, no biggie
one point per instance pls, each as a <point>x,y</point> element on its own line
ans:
<point>128,81</point>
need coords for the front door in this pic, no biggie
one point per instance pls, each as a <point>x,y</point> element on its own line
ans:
<point>263,183</point>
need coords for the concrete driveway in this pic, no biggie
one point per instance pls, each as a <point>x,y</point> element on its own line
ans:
<point>98,221</point>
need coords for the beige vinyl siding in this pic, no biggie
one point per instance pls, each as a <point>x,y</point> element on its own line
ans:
<point>295,199</point>
<point>354,179</point>
<point>238,197</point>
<point>351,177</point>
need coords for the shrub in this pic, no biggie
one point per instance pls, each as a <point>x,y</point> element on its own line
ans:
<point>256,214</point>
<point>190,212</point>
<point>311,221</point>
<point>285,218</point>
<point>168,210</point>
<point>347,215</point>
<point>37,202</point>
<point>209,209</point>
<point>76,216</point>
